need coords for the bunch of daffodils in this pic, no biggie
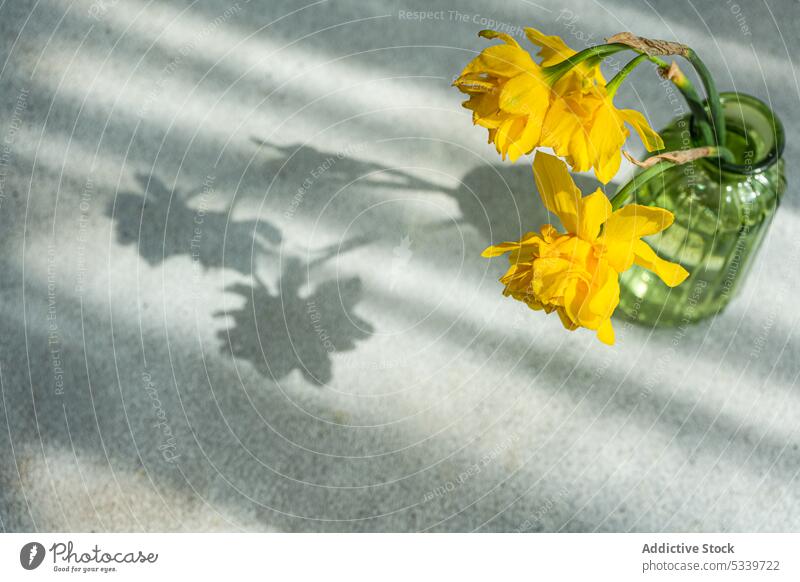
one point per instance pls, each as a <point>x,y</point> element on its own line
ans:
<point>525,105</point>
<point>563,102</point>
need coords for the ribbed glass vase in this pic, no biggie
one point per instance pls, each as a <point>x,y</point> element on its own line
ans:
<point>722,212</point>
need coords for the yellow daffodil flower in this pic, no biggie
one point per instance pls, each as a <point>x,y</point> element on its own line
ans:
<point>584,126</point>
<point>523,107</point>
<point>509,95</point>
<point>576,273</point>
<point>553,50</point>
<point>582,123</point>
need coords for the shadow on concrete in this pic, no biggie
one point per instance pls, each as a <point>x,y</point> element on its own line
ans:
<point>164,223</point>
<point>284,331</point>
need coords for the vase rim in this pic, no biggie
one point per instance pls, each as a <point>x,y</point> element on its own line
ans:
<point>773,154</point>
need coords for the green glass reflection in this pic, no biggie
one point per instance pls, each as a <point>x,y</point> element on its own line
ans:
<point>722,212</point>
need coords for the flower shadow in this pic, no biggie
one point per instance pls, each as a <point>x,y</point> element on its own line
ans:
<point>498,199</point>
<point>278,332</point>
<point>164,223</point>
<point>502,202</point>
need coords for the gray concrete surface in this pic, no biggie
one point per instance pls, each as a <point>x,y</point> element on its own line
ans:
<point>242,287</point>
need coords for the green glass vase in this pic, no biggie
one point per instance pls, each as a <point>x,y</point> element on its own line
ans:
<point>722,212</point>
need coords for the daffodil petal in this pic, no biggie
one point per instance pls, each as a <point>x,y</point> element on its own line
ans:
<point>565,320</point>
<point>574,297</point>
<point>553,49</point>
<point>526,94</point>
<point>474,83</point>
<point>549,232</point>
<point>526,140</point>
<point>635,221</point>
<point>605,333</point>
<point>579,157</point>
<point>606,168</point>
<point>559,126</point>
<point>619,252</point>
<point>492,34</point>
<point>594,211</point>
<point>558,191</point>
<point>671,273</point>
<point>652,141</point>
<point>605,293</point>
<point>549,281</point>
<point>607,137</point>
<point>485,110</point>
<point>501,60</point>
<point>626,226</point>
<point>504,134</point>
<point>500,249</point>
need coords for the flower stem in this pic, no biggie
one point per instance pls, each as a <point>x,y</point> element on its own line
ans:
<point>637,181</point>
<point>713,135</point>
<point>655,48</point>
<point>684,85</point>
<point>598,52</point>
<point>656,165</point>
<point>692,97</point>
<point>712,95</point>
<point>613,84</point>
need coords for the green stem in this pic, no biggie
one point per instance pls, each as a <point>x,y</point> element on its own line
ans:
<point>640,179</point>
<point>715,134</point>
<point>599,52</point>
<point>636,182</point>
<point>685,86</point>
<point>693,100</point>
<point>712,95</point>
<point>613,84</point>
